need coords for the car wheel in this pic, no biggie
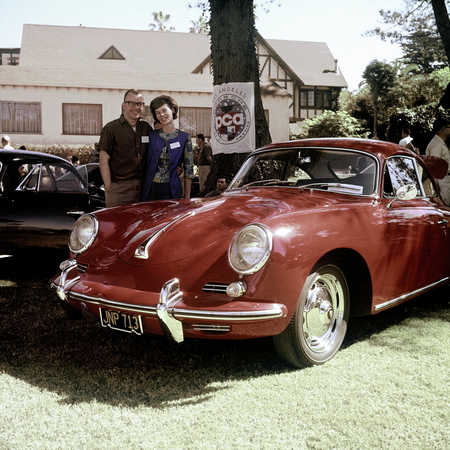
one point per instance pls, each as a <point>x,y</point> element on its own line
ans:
<point>318,326</point>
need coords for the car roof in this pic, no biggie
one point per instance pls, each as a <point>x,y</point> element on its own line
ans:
<point>381,149</point>
<point>8,155</point>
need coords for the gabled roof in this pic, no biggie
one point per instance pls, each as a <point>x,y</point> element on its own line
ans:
<point>156,52</point>
<point>308,61</point>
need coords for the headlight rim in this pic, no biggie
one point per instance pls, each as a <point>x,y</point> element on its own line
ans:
<point>86,245</point>
<point>267,252</point>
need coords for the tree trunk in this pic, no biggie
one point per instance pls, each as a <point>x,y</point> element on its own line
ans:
<point>443,24</point>
<point>234,60</point>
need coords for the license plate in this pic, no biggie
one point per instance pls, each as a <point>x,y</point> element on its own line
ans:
<point>130,323</point>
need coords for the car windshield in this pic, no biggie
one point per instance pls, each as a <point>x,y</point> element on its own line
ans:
<point>338,170</point>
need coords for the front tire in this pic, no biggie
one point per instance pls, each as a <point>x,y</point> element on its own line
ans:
<point>319,324</point>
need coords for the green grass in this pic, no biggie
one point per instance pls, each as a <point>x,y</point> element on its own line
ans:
<point>75,385</point>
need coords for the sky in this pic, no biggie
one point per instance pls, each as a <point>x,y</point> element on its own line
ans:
<point>339,23</point>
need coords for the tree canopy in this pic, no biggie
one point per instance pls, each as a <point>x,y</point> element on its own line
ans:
<point>418,30</point>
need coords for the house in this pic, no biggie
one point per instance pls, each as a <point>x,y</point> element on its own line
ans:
<point>70,81</point>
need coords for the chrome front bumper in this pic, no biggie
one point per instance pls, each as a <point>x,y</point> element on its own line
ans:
<point>169,316</point>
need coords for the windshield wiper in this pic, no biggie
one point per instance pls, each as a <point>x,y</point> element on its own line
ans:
<point>262,182</point>
<point>347,187</point>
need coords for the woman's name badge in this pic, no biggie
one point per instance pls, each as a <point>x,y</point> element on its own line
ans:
<point>144,140</point>
<point>175,145</point>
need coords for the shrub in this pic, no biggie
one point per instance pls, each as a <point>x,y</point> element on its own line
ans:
<point>64,151</point>
<point>333,124</point>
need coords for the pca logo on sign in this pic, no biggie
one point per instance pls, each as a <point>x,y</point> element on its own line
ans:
<point>232,119</point>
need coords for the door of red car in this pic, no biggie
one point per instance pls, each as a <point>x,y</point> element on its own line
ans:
<point>35,212</point>
<point>416,242</point>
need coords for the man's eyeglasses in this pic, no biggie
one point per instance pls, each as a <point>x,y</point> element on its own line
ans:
<point>134,104</point>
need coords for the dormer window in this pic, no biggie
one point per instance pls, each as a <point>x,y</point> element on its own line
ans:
<point>112,53</point>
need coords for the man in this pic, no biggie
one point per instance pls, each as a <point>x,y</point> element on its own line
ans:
<point>6,143</point>
<point>221,185</point>
<point>406,140</point>
<point>204,160</point>
<point>438,147</point>
<point>122,147</point>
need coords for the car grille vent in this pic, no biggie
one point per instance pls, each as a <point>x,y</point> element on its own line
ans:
<point>82,267</point>
<point>215,288</point>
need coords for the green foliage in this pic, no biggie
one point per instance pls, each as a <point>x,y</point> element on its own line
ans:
<point>409,91</point>
<point>159,22</point>
<point>201,26</point>
<point>415,30</point>
<point>419,120</point>
<point>333,124</point>
<point>379,76</point>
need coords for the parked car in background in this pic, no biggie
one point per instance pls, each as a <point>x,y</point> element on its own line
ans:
<point>91,173</point>
<point>41,196</point>
<point>308,234</point>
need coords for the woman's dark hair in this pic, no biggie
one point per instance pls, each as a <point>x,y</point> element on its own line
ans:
<point>164,100</point>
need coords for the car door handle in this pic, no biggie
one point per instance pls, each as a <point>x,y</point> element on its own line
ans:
<point>442,222</point>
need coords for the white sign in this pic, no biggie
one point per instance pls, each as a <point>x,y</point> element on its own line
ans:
<point>233,118</point>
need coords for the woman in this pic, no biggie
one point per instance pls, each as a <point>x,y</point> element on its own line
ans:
<point>168,150</point>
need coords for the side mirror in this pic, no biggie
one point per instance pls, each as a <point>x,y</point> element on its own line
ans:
<point>407,192</point>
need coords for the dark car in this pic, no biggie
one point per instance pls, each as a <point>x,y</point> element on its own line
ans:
<point>41,196</point>
<point>308,234</point>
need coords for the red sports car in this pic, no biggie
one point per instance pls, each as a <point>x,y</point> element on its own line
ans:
<point>308,234</point>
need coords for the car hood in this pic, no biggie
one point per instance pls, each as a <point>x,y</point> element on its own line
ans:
<point>181,229</point>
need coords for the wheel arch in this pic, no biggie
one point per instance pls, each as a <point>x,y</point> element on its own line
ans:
<point>358,278</point>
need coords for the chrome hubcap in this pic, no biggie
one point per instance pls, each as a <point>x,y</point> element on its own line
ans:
<point>323,313</point>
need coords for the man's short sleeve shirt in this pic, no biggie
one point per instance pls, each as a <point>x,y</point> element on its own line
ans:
<point>205,151</point>
<point>437,147</point>
<point>126,147</point>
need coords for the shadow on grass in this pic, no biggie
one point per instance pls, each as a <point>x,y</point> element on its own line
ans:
<point>84,362</point>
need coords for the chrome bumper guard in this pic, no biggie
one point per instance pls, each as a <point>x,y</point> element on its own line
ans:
<point>169,297</point>
<point>168,315</point>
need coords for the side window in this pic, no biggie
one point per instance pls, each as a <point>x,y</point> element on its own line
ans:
<point>66,180</point>
<point>52,178</point>
<point>399,172</point>
<point>31,181</point>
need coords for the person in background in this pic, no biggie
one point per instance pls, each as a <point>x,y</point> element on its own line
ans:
<point>122,147</point>
<point>438,147</point>
<point>221,185</point>
<point>204,160</point>
<point>94,154</point>
<point>168,150</point>
<point>6,143</point>
<point>406,140</point>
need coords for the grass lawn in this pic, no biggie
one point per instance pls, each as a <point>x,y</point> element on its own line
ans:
<point>75,385</point>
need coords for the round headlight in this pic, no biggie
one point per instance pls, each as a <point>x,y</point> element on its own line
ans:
<point>250,249</point>
<point>83,233</point>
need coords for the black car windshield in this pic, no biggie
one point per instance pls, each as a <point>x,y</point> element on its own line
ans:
<point>330,169</point>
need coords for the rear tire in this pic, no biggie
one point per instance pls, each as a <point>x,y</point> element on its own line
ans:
<point>319,324</point>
